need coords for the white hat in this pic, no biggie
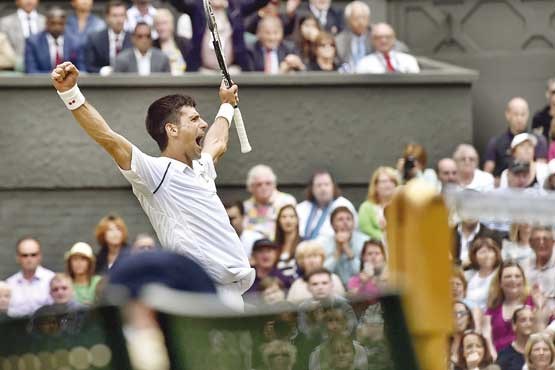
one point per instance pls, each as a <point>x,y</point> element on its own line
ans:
<point>520,138</point>
<point>82,249</point>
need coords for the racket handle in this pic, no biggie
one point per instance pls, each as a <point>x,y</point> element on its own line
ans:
<point>241,132</point>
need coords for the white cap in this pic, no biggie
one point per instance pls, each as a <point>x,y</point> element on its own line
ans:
<point>82,249</point>
<point>520,138</point>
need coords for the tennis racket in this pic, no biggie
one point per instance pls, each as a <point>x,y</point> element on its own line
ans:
<point>237,117</point>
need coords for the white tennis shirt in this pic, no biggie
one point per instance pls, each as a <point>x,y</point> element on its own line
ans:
<point>188,216</point>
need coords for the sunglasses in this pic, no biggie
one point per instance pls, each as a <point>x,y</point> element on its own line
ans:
<point>25,255</point>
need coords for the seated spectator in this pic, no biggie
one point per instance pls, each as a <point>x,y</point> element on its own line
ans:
<point>498,152</point>
<point>47,49</point>
<point>343,249</point>
<point>270,54</point>
<point>279,355</point>
<point>464,233</point>
<point>469,176</point>
<point>262,207</point>
<point>7,54</point>
<point>229,17</point>
<point>143,58</point>
<point>508,291</point>
<point>310,256</point>
<point>265,257</point>
<point>142,11</point>
<point>5,297</point>
<point>385,59</point>
<point>61,290</point>
<point>542,122</point>
<point>18,26</point>
<point>175,47</point>
<point>273,8</point>
<point>80,266</point>
<point>517,248</point>
<point>272,290</point>
<point>288,238</point>
<point>143,243</point>
<point>304,37</point>
<point>322,197</point>
<point>381,188</point>
<point>413,165</point>
<point>485,257</point>
<point>512,356</point>
<point>373,274</point>
<point>463,322</point>
<point>236,213</point>
<point>104,46</point>
<point>522,150</point>
<point>324,54</point>
<point>539,353</point>
<point>30,286</point>
<point>111,235</point>
<point>329,16</point>
<point>83,23</point>
<point>458,289</point>
<point>447,173</point>
<point>341,353</point>
<point>474,353</point>
<point>541,270</point>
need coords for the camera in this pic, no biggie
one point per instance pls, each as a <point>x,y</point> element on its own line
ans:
<point>408,167</point>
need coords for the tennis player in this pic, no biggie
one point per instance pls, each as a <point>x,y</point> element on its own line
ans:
<point>177,189</point>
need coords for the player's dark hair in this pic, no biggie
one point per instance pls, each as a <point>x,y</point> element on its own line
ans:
<point>164,110</point>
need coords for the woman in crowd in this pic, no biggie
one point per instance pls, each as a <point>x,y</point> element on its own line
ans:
<point>413,165</point>
<point>305,36</point>
<point>279,355</point>
<point>508,292</point>
<point>382,186</point>
<point>111,235</point>
<point>83,22</point>
<point>459,287</point>
<point>373,273</point>
<point>324,54</point>
<point>80,266</point>
<point>287,236</point>
<point>463,322</point>
<point>310,256</point>
<point>517,248</point>
<point>539,352</point>
<point>175,47</point>
<point>512,357</point>
<point>485,257</point>
<point>272,290</point>
<point>474,353</point>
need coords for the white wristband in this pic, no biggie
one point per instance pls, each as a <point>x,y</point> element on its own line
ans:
<point>72,98</point>
<point>226,111</point>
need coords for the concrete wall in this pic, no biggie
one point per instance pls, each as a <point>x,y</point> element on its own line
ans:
<point>55,183</point>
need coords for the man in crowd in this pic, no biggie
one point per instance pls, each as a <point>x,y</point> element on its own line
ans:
<point>385,59</point>
<point>323,196</point>
<point>542,123</point>
<point>262,207</point>
<point>265,256</point>
<point>498,152</point>
<point>447,173</point>
<point>103,47</point>
<point>47,49</point>
<point>541,272</point>
<point>344,247</point>
<point>142,11</point>
<point>464,234</point>
<point>26,21</point>
<point>142,58</point>
<point>30,286</point>
<point>236,213</point>
<point>329,17</point>
<point>469,176</point>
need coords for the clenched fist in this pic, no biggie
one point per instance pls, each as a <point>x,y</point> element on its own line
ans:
<point>64,76</point>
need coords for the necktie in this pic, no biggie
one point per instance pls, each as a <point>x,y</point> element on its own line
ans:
<point>59,58</point>
<point>388,64</point>
<point>118,45</point>
<point>268,61</point>
<point>29,28</point>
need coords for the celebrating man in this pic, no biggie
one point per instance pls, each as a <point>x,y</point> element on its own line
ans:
<point>176,190</point>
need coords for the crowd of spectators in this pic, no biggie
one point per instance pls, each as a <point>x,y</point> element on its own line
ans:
<point>256,35</point>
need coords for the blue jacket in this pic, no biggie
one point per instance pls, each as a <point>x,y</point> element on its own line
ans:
<point>37,53</point>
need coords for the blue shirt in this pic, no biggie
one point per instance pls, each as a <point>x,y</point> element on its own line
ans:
<point>94,24</point>
<point>344,267</point>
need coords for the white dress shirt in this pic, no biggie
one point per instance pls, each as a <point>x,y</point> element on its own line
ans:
<point>113,45</point>
<point>29,295</point>
<point>134,17</point>
<point>24,18</point>
<point>274,61</point>
<point>322,15</point>
<point>52,47</point>
<point>143,62</point>
<point>376,63</point>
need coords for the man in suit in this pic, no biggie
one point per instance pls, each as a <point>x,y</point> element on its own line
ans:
<point>20,25</point>
<point>385,59</point>
<point>47,49</point>
<point>270,54</point>
<point>103,46</point>
<point>329,17</point>
<point>142,58</point>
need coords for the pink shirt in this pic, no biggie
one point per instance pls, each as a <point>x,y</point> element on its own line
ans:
<point>367,289</point>
<point>502,330</point>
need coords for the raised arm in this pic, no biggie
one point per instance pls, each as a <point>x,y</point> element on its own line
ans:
<point>64,78</point>
<point>217,136</point>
